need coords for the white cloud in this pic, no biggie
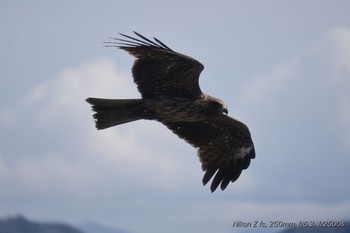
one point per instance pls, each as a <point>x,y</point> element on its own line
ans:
<point>341,39</point>
<point>315,83</point>
<point>299,116</point>
<point>61,145</point>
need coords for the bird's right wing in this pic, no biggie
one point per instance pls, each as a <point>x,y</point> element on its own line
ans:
<point>224,144</point>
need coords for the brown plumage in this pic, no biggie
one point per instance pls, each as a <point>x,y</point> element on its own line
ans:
<point>168,83</point>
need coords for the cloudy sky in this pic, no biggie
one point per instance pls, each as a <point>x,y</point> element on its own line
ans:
<point>283,67</point>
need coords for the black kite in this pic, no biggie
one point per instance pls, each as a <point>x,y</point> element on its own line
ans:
<point>168,83</point>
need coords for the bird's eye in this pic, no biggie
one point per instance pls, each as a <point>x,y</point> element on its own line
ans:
<point>219,108</point>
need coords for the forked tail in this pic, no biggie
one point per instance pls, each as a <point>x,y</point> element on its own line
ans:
<point>111,112</point>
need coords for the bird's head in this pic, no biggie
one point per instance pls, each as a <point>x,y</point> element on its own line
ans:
<point>217,105</point>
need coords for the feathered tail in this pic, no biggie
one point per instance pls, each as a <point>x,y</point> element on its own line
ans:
<point>111,112</point>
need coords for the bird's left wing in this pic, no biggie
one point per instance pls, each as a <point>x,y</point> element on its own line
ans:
<point>224,144</point>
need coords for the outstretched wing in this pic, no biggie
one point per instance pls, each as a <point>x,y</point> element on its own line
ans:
<point>224,144</point>
<point>158,70</point>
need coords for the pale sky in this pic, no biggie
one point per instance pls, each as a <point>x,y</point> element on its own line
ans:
<point>283,68</point>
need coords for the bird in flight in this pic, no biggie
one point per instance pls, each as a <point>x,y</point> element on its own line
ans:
<point>168,83</point>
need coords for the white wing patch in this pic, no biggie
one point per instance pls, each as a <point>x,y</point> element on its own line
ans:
<point>243,152</point>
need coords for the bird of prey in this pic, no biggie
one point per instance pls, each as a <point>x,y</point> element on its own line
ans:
<point>168,83</point>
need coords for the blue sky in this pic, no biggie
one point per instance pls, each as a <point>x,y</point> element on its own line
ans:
<point>283,67</point>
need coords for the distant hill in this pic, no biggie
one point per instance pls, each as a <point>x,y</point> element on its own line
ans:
<point>345,229</point>
<point>20,224</point>
<point>90,227</point>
